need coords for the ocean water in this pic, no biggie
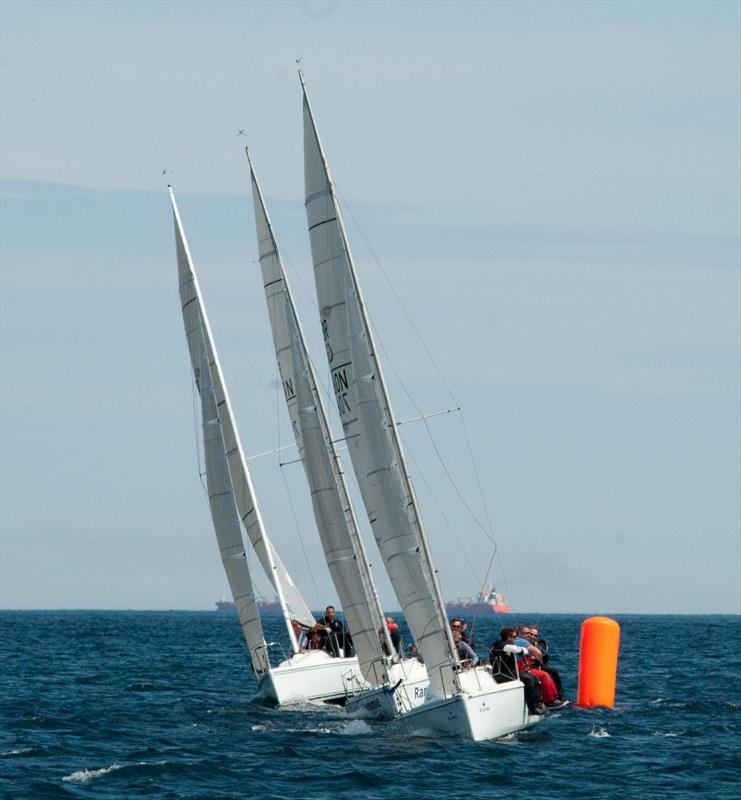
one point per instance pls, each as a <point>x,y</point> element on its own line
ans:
<point>100,704</point>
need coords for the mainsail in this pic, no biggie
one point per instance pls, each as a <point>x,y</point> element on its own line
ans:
<point>369,425</point>
<point>336,522</point>
<point>219,487</point>
<point>200,341</point>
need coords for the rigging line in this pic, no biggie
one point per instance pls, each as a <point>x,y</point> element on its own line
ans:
<point>269,452</point>
<point>264,386</point>
<point>442,514</point>
<point>323,383</point>
<point>497,552</point>
<point>487,533</point>
<point>427,416</point>
<point>507,591</point>
<point>281,253</point>
<point>433,442</point>
<point>201,471</point>
<point>398,299</point>
<point>271,303</point>
<point>456,487</point>
<point>476,614</point>
<point>477,476</point>
<point>396,295</point>
<point>269,511</point>
<point>298,531</point>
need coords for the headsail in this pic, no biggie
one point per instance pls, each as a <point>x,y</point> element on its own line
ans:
<point>199,336</point>
<point>368,422</point>
<point>336,522</point>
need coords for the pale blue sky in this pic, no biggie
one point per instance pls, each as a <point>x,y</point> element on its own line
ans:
<point>553,189</point>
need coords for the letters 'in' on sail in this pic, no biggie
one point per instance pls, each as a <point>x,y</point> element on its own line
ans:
<point>310,675</point>
<point>466,702</point>
<point>336,523</point>
<point>368,423</point>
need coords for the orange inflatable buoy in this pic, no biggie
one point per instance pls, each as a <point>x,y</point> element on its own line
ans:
<point>598,652</point>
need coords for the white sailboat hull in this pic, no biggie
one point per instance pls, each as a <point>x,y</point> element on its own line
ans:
<point>385,702</point>
<point>314,675</point>
<point>486,710</point>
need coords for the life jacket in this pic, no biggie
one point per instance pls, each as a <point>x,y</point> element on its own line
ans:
<point>503,664</point>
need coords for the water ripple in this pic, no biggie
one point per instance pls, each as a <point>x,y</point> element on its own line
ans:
<point>161,705</point>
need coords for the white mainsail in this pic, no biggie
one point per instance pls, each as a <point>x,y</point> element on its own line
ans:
<point>333,511</point>
<point>219,486</point>
<point>226,523</point>
<point>369,425</point>
<point>199,337</point>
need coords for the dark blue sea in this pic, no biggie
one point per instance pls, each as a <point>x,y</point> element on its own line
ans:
<point>101,704</point>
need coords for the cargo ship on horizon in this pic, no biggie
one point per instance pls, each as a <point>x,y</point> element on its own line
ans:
<point>484,601</point>
<point>262,604</point>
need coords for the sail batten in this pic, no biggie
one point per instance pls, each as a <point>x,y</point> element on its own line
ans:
<point>368,421</point>
<point>336,522</point>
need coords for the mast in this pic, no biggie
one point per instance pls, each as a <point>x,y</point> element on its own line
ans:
<point>368,421</point>
<point>194,313</point>
<point>333,511</point>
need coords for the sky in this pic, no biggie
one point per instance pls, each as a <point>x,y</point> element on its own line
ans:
<point>543,205</point>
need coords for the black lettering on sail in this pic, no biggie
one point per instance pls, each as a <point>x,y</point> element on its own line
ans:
<point>340,380</point>
<point>341,390</point>
<point>288,389</point>
<point>325,334</point>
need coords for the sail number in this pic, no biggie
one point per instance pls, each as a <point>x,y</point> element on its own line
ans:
<point>340,381</point>
<point>341,386</point>
<point>325,334</point>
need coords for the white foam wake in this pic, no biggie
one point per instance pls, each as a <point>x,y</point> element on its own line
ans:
<point>599,733</point>
<point>355,728</point>
<point>85,775</point>
<point>22,751</point>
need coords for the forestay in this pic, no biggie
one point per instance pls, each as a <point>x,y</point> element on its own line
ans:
<point>196,320</point>
<point>335,518</point>
<point>368,422</point>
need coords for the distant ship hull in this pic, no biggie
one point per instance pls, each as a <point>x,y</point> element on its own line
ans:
<point>263,605</point>
<point>458,607</point>
<point>484,602</point>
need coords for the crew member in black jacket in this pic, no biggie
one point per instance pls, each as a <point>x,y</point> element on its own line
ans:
<point>337,636</point>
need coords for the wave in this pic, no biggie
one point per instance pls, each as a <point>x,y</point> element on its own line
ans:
<point>146,767</point>
<point>598,733</point>
<point>86,775</point>
<point>145,686</point>
<point>685,705</point>
<point>21,751</point>
<point>355,728</point>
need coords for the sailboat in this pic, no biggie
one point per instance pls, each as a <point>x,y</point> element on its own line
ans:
<point>459,701</point>
<point>392,684</point>
<point>310,675</point>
